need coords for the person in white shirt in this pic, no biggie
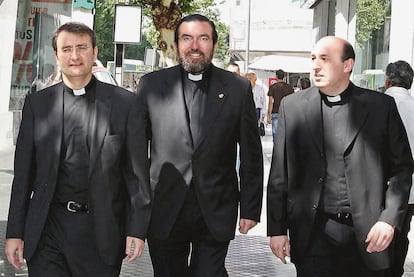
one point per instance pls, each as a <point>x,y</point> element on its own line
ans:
<point>259,96</point>
<point>399,78</point>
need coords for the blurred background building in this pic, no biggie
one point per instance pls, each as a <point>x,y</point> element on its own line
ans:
<point>265,35</point>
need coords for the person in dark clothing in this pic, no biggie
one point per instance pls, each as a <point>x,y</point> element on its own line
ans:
<point>74,203</point>
<point>340,174</point>
<point>194,115</point>
<point>276,93</point>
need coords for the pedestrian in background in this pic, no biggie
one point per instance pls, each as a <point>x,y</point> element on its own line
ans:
<point>234,67</point>
<point>259,96</point>
<point>399,78</point>
<point>194,114</point>
<point>276,92</point>
<point>340,174</point>
<point>73,203</point>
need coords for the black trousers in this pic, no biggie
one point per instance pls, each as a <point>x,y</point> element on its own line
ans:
<point>171,257</point>
<point>67,248</point>
<point>325,258</point>
<point>401,244</point>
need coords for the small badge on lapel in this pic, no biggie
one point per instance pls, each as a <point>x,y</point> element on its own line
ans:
<point>221,95</point>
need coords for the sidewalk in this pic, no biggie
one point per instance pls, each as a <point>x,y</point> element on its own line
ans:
<point>249,255</point>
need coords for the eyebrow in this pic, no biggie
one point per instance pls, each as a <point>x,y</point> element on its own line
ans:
<point>320,55</point>
<point>70,45</point>
<point>202,35</point>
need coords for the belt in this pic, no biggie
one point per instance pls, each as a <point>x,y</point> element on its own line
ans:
<point>343,218</point>
<point>76,207</point>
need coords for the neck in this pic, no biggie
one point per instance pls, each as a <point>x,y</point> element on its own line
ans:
<point>77,82</point>
<point>335,90</point>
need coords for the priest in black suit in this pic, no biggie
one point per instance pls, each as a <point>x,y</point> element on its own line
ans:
<point>340,175</point>
<point>74,204</point>
<point>194,115</point>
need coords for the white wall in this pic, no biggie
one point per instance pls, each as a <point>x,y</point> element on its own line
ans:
<point>402,33</point>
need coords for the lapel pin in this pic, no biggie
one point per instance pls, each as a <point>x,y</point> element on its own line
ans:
<point>221,95</point>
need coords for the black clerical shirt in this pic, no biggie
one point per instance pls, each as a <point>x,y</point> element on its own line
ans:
<point>335,114</point>
<point>78,113</point>
<point>195,95</point>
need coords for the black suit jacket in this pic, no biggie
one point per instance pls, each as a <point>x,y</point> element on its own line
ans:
<point>378,168</point>
<point>36,170</point>
<point>174,162</point>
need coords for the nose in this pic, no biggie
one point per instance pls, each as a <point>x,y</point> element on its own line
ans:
<point>315,64</point>
<point>194,44</point>
<point>74,54</point>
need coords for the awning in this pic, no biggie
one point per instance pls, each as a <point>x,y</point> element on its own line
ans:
<point>294,64</point>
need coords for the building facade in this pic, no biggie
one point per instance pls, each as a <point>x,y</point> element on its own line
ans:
<point>272,32</point>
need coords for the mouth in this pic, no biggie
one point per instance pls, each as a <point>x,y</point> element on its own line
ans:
<point>195,54</point>
<point>317,77</point>
<point>76,64</point>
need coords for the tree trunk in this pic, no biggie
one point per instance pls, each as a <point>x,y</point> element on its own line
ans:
<point>165,15</point>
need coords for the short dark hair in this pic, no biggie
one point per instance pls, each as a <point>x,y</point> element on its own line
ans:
<point>74,27</point>
<point>280,74</point>
<point>196,17</point>
<point>400,74</point>
<point>348,52</point>
<point>233,64</point>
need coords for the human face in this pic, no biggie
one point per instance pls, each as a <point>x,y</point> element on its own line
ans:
<point>330,73</point>
<point>75,57</point>
<point>252,78</point>
<point>195,46</point>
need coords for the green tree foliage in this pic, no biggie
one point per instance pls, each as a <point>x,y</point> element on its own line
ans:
<point>370,17</point>
<point>104,26</point>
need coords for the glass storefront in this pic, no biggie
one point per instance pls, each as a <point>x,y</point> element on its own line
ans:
<point>372,50</point>
<point>33,59</point>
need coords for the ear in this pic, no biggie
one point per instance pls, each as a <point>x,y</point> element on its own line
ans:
<point>388,82</point>
<point>56,58</point>
<point>348,65</point>
<point>95,50</point>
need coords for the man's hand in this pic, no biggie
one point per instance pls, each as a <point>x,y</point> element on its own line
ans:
<point>280,247</point>
<point>269,119</point>
<point>379,237</point>
<point>134,248</point>
<point>245,225</point>
<point>14,252</point>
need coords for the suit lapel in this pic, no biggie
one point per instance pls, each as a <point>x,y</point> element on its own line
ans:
<point>357,116</point>
<point>100,121</point>
<point>313,116</point>
<point>175,102</point>
<point>55,121</point>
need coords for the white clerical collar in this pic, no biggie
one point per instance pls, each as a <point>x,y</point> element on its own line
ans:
<point>78,92</point>
<point>333,99</point>
<point>197,77</point>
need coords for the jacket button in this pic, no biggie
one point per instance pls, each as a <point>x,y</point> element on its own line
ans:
<point>320,180</point>
<point>314,207</point>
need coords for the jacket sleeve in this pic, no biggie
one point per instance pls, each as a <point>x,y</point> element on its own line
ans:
<point>277,184</point>
<point>138,167</point>
<point>400,170</point>
<point>24,168</point>
<point>251,162</point>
